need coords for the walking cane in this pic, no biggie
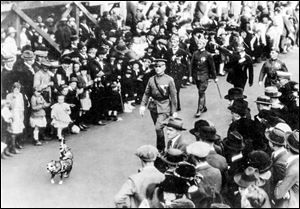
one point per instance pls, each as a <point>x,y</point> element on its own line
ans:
<point>219,90</point>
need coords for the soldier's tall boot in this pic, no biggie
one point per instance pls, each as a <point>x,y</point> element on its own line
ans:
<point>198,113</point>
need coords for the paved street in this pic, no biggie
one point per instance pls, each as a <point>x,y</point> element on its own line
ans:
<point>104,156</point>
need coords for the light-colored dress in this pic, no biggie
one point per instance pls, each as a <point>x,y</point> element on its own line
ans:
<point>38,114</point>
<point>61,115</point>
<point>16,102</point>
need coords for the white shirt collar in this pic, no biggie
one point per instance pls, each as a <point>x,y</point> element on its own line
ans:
<point>277,152</point>
<point>30,67</point>
<point>174,140</point>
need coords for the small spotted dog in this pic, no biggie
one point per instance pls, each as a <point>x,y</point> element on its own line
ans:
<point>63,166</point>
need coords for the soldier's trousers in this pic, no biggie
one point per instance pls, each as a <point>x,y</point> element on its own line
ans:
<point>202,86</point>
<point>158,119</point>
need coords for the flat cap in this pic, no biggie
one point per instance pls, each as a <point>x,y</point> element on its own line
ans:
<point>198,149</point>
<point>41,53</point>
<point>147,153</point>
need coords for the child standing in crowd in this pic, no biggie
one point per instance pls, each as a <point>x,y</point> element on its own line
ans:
<point>16,102</point>
<point>38,114</point>
<point>61,116</point>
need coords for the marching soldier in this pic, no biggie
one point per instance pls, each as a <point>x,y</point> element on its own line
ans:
<point>270,68</point>
<point>203,66</point>
<point>160,98</point>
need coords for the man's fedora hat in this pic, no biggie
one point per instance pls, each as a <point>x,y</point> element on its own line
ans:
<point>205,130</point>
<point>176,123</point>
<point>292,139</point>
<point>234,141</point>
<point>276,136</point>
<point>249,177</point>
<point>260,160</point>
<point>235,93</point>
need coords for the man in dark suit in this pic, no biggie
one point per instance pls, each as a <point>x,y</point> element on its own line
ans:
<point>177,65</point>
<point>174,135</point>
<point>241,63</point>
<point>24,74</point>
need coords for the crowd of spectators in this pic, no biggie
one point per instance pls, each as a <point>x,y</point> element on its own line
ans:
<point>103,69</point>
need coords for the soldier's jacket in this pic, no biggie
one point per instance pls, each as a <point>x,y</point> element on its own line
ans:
<point>202,65</point>
<point>166,103</point>
<point>269,68</point>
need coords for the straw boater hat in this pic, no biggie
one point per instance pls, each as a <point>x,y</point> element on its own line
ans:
<point>284,75</point>
<point>276,136</point>
<point>265,100</point>
<point>121,48</point>
<point>198,149</point>
<point>174,156</point>
<point>272,92</point>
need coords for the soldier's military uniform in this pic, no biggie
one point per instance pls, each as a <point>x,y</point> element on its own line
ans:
<point>269,69</point>
<point>162,104</point>
<point>203,67</point>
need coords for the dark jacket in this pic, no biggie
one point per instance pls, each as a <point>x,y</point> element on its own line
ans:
<point>23,75</point>
<point>203,66</point>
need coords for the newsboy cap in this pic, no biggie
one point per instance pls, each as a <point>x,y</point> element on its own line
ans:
<point>147,153</point>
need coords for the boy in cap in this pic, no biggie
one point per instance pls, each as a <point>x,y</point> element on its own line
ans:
<point>161,88</point>
<point>7,75</point>
<point>133,191</point>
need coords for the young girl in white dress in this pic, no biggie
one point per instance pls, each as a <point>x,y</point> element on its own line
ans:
<point>61,115</point>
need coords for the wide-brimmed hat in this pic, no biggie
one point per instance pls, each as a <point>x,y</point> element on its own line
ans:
<point>101,51</point>
<point>272,91</point>
<point>174,156</point>
<point>205,130</point>
<point>121,48</point>
<point>266,100</point>
<point>55,64</point>
<point>235,93</point>
<point>239,106</point>
<point>292,139</point>
<point>147,153</point>
<point>182,203</point>
<point>27,55</point>
<point>176,123</point>
<point>249,177</point>
<point>260,160</point>
<point>198,149</point>
<point>234,141</point>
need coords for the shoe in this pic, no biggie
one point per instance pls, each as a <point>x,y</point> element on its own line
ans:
<point>114,118</point>
<point>204,109</point>
<point>198,114</point>
<point>178,109</point>
<point>38,143</point>
<point>7,153</point>
<point>14,151</point>
<point>18,146</point>
<point>100,123</point>
<point>85,126</point>
<point>81,128</point>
